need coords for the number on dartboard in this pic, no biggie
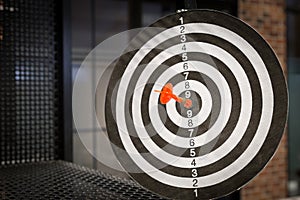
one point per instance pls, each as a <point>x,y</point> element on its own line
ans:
<point>194,173</point>
<point>190,122</point>
<point>189,113</point>
<point>187,85</point>
<point>186,74</point>
<point>181,20</point>
<point>184,57</point>
<point>185,66</point>
<point>182,29</point>
<point>187,94</point>
<point>193,162</point>
<point>191,132</point>
<point>182,38</point>
<point>195,182</point>
<point>196,192</point>
<point>192,142</point>
<point>192,153</point>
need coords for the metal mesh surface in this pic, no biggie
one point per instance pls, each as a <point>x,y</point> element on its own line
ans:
<point>29,82</point>
<point>63,180</point>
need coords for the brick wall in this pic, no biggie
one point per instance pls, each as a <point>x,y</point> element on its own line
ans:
<point>268,17</point>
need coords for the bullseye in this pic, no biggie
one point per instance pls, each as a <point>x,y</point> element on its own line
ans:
<point>167,94</point>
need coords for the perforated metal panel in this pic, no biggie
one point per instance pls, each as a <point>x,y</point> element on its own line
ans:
<point>62,180</point>
<point>29,82</point>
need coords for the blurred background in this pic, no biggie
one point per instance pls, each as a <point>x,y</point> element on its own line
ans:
<point>82,25</point>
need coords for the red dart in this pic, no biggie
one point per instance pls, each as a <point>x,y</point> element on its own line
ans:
<point>167,94</point>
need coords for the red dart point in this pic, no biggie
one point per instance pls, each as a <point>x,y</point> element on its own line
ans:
<point>188,103</point>
<point>167,94</point>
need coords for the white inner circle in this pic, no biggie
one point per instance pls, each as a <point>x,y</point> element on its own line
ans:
<point>262,129</point>
<point>201,116</point>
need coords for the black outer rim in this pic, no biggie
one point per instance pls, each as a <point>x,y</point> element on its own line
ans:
<point>278,121</point>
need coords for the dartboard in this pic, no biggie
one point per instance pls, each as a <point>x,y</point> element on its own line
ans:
<point>196,106</point>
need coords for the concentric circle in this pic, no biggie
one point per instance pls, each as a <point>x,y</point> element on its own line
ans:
<point>200,117</point>
<point>172,154</point>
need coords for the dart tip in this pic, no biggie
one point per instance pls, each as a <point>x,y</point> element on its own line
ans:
<point>188,103</point>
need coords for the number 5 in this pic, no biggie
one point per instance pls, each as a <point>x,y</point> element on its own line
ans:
<point>192,153</point>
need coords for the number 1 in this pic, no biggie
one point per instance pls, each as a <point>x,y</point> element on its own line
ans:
<point>196,192</point>
<point>181,20</point>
